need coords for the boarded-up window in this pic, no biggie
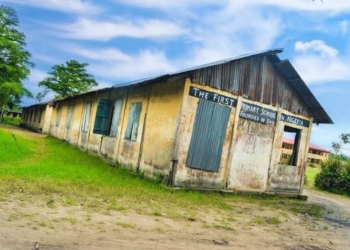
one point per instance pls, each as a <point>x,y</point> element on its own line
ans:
<point>34,114</point>
<point>107,117</point>
<point>86,117</point>
<point>58,118</point>
<point>69,116</point>
<point>117,109</point>
<point>133,121</point>
<point>41,113</point>
<point>208,136</point>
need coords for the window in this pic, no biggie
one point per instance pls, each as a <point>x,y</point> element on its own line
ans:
<point>69,116</point>
<point>34,114</point>
<point>86,117</point>
<point>41,114</point>
<point>107,117</point>
<point>58,117</point>
<point>293,133</point>
<point>208,136</point>
<point>133,121</point>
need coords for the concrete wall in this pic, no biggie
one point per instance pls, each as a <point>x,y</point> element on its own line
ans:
<point>152,151</point>
<point>190,177</point>
<point>37,117</point>
<point>251,148</point>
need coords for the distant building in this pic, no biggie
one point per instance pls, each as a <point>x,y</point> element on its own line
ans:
<point>13,113</point>
<point>315,155</point>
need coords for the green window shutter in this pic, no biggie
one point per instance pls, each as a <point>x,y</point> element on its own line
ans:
<point>133,121</point>
<point>103,113</point>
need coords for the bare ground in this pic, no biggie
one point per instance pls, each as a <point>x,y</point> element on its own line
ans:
<point>27,219</point>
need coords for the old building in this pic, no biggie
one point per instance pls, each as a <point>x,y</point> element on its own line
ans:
<point>216,126</point>
<point>37,117</point>
<point>315,155</point>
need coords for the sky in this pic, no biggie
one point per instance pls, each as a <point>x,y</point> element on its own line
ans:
<point>124,40</point>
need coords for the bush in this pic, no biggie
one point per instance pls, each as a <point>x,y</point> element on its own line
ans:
<point>334,176</point>
<point>312,165</point>
<point>15,121</point>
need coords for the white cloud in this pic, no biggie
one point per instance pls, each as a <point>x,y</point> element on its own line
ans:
<point>106,54</point>
<point>316,46</point>
<point>70,6</point>
<point>145,64</point>
<point>105,30</point>
<point>226,34</point>
<point>320,63</point>
<point>37,75</point>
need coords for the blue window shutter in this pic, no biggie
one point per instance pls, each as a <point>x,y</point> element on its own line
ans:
<point>208,136</point>
<point>102,117</point>
<point>133,121</point>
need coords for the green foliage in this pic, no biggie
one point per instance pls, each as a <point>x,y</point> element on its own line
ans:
<point>334,176</point>
<point>69,79</point>
<point>14,121</point>
<point>337,146</point>
<point>312,165</point>
<point>14,59</point>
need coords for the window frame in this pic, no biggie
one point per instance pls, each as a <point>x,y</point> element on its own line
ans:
<point>107,117</point>
<point>132,127</point>
<point>86,116</point>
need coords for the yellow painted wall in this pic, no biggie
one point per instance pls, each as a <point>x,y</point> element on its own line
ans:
<point>162,119</point>
<point>190,177</point>
<point>161,104</point>
<point>42,111</point>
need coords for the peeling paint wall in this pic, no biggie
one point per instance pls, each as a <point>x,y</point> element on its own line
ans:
<point>152,149</point>
<point>190,177</point>
<point>159,131</point>
<point>250,154</point>
<point>286,178</point>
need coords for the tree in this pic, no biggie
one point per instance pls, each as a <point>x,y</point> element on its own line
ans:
<point>69,79</point>
<point>337,146</point>
<point>40,96</point>
<point>14,59</point>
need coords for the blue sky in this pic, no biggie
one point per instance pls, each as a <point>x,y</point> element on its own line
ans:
<point>125,40</point>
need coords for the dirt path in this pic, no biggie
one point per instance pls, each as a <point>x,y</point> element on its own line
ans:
<point>26,220</point>
<point>338,207</point>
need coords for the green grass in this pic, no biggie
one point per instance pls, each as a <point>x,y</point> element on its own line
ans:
<point>62,174</point>
<point>310,175</point>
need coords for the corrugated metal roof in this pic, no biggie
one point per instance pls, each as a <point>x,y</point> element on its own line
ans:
<point>284,67</point>
<point>292,76</point>
<point>151,79</point>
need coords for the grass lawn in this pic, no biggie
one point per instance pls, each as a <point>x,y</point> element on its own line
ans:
<point>62,174</point>
<point>310,175</point>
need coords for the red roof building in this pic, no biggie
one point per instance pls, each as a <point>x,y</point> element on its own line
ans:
<point>316,154</point>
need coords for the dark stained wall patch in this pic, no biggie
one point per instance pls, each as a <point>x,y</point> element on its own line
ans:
<point>257,113</point>
<point>295,120</point>
<point>212,96</point>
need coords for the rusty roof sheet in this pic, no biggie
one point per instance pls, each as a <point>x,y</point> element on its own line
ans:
<point>283,66</point>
